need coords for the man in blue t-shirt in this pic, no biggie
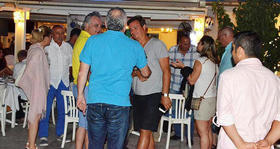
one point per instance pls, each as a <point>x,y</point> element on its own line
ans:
<point>111,57</point>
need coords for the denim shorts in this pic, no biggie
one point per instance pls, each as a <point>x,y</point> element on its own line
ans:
<point>82,117</point>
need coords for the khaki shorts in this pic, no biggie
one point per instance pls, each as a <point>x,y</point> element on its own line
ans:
<point>206,110</point>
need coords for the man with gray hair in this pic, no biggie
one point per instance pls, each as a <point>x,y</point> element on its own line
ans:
<point>225,37</point>
<point>111,64</point>
<point>92,25</point>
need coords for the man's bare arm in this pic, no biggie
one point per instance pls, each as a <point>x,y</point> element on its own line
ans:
<point>237,139</point>
<point>82,79</point>
<point>164,64</point>
<point>272,136</point>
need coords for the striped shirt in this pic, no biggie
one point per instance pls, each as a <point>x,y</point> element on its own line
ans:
<point>188,60</point>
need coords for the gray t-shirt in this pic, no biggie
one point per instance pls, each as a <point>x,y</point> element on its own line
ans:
<point>155,49</point>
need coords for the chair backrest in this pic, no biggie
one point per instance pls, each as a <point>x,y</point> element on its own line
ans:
<point>70,105</point>
<point>178,106</point>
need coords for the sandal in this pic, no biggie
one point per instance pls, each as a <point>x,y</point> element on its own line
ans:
<point>27,146</point>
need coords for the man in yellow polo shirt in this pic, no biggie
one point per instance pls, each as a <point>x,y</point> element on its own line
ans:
<point>91,26</point>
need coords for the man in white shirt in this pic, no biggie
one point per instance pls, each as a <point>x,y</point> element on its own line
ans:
<point>17,73</point>
<point>59,55</point>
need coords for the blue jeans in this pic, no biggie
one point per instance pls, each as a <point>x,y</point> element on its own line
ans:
<point>177,127</point>
<point>107,120</point>
<point>44,123</point>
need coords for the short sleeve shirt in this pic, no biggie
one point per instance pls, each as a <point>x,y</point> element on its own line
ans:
<point>78,47</point>
<point>111,57</point>
<point>188,60</point>
<point>155,50</point>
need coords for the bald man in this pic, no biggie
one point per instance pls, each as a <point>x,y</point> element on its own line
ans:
<point>225,37</point>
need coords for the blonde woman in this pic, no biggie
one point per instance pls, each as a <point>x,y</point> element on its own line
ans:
<point>203,78</point>
<point>35,81</point>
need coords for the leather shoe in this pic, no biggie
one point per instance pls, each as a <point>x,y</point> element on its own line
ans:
<point>174,137</point>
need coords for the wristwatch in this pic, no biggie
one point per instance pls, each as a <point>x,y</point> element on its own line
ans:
<point>165,94</point>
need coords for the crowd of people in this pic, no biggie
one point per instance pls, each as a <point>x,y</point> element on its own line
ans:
<point>112,72</point>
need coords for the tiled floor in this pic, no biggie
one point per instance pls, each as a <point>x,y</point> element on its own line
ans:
<point>16,138</point>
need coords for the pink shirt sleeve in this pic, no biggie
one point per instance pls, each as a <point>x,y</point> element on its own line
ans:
<point>224,102</point>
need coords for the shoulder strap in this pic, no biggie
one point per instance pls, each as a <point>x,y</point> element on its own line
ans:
<point>211,81</point>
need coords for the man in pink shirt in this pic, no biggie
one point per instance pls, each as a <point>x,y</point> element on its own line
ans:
<point>248,96</point>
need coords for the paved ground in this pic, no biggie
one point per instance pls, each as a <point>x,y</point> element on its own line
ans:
<point>16,138</point>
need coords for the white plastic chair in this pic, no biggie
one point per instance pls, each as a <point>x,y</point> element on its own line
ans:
<point>26,106</point>
<point>180,118</point>
<point>71,114</point>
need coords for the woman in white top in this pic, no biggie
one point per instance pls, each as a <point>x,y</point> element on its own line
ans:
<point>204,71</point>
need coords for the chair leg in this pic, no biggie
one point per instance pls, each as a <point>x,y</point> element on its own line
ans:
<point>160,129</point>
<point>64,134</point>
<point>13,120</point>
<point>25,115</point>
<point>182,132</point>
<point>4,119</point>
<point>74,131</point>
<point>3,124</point>
<point>53,117</point>
<point>168,135</point>
<point>189,135</point>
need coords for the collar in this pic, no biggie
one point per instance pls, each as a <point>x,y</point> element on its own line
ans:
<point>115,32</point>
<point>55,44</point>
<point>229,47</point>
<point>249,61</point>
<point>85,34</point>
<point>189,51</point>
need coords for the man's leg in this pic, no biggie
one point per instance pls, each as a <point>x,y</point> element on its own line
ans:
<point>117,118</point>
<point>20,114</point>
<point>44,123</point>
<point>60,109</point>
<point>96,125</point>
<point>81,133</point>
<point>145,141</point>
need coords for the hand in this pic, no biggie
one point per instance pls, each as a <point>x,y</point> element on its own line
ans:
<point>166,102</point>
<point>263,144</point>
<point>178,64</point>
<point>81,103</point>
<point>248,145</point>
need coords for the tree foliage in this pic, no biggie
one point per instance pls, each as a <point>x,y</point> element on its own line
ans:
<point>258,16</point>
<point>222,17</point>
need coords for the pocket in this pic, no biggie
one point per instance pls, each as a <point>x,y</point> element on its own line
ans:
<point>117,114</point>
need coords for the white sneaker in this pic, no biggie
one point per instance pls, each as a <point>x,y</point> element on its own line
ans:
<point>44,141</point>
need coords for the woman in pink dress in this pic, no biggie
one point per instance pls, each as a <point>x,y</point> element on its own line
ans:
<point>35,81</point>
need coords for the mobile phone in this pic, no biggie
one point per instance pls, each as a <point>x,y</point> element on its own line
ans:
<point>162,108</point>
